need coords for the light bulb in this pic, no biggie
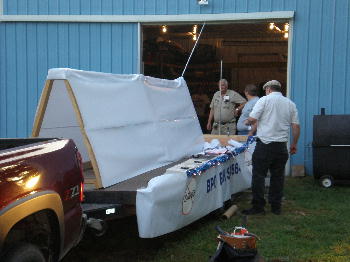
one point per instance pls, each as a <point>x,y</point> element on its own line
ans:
<point>286,27</point>
<point>194,30</point>
<point>164,29</point>
<point>272,26</point>
<point>285,35</point>
<point>194,37</point>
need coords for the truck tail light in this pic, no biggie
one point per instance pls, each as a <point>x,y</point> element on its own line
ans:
<point>81,196</point>
<point>80,164</point>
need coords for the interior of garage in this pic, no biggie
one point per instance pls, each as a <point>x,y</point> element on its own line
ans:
<point>243,53</point>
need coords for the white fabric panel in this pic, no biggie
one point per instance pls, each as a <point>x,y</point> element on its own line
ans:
<point>130,151</point>
<point>172,201</point>
<point>134,123</point>
<point>182,138</point>
<point>116,103</point>
<point>59,111</point>
<point>167,95</point>
<point>60,120</point>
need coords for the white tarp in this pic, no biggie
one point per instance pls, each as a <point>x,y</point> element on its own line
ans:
<point>173,200</point>
<point>134,123</point>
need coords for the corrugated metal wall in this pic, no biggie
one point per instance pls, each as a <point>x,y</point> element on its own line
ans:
<point>143,7</point>
<point>28,50</point>
<point>320,51</point>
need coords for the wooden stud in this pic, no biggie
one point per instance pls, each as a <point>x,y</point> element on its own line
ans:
<point>39,116</point>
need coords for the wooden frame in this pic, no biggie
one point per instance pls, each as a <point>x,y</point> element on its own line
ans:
<point>40,116</point>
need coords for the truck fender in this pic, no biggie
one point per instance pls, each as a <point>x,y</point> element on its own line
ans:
<point>28,205</point>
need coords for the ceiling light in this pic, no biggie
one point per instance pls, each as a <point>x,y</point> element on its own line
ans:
<point>194,30</point>
<point>285,31</point>
<point>286,27</point>
<point>164,28</point>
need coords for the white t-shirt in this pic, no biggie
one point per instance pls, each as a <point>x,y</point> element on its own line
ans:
<point>275,114</point>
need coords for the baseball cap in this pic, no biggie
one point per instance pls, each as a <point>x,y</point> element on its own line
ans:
<point>272,83</point>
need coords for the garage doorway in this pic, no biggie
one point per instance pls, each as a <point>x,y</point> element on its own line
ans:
<point>244,53</point>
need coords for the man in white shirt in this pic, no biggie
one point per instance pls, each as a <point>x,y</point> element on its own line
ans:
<point>271,119</point>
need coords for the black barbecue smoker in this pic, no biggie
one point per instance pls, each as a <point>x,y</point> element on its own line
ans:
<point>331,148</point>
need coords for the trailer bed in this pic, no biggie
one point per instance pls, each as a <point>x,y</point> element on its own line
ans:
<point>123,192</point>
<point>119,200</point>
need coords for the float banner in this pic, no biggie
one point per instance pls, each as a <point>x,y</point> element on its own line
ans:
<point>174,200</point>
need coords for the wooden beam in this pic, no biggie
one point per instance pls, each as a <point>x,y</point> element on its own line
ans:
<point>42,108</point>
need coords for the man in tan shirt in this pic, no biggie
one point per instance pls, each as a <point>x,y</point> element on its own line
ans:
<point>223,110</point>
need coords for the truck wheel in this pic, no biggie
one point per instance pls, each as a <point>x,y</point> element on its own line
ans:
<point>326,181</point>
<point>24,252</point>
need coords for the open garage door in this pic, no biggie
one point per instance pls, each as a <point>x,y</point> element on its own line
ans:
<point>251,53</point>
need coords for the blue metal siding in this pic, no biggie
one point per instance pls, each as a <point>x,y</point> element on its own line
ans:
<point>320,71</point>
<point>3,104</point>
<point>300,52</point>
<point>131,7</point>
<point>28,50</point>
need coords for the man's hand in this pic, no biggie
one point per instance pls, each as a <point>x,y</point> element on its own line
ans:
<point>296,134</point>
<point>209,126</point>
<point>250,121</point>
<point>293,149</point>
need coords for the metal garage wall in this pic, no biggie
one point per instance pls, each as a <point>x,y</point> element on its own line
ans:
<point>320,71</point>
<point>28,50</point>
<point>320,51</point>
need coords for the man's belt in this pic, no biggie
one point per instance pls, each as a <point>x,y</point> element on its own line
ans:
<point>224,123</point>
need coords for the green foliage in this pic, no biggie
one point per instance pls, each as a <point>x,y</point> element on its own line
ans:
<point>314,226</point>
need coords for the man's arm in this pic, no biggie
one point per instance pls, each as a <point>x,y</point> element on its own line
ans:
<point>210,119</point>
<point>295,134</point>
<point>253,123</point>
<point>252,131</point>
<point>239,109</point>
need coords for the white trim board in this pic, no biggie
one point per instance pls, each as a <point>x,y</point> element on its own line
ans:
<point>148,18</point>
<point>139,47</point>
<point>288,169</point>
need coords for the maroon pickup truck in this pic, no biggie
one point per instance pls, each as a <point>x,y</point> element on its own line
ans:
<point>41,190</point>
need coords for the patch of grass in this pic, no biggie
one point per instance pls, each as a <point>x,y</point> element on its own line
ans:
<point>314,226</point>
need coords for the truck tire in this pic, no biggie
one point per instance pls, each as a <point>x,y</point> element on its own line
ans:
<point>24,252</point>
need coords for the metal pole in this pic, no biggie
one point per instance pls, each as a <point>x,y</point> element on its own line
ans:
<point>189,58</point>
<point>220,97</point>
<point>221,68</point>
